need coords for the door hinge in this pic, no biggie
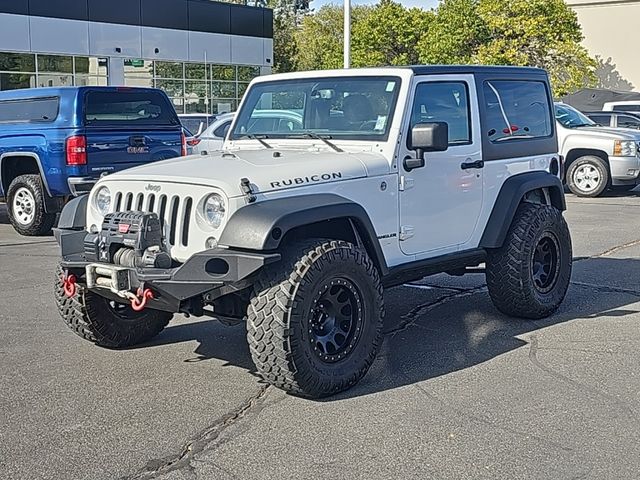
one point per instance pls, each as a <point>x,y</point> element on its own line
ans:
<point>406,183</point>
<point>406,232</point>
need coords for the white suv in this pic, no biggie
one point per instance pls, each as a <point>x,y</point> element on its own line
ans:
<point>382,176</point>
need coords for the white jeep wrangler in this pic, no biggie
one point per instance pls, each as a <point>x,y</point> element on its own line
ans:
<point>367,179</point>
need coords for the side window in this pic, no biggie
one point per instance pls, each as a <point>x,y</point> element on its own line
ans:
<point>602,120</point>
<point>628,122</point>
<point>29,111</point>
<point>627,108</point>
<point>219,132</point>
<point>516,109</point>
<point>444,102</point>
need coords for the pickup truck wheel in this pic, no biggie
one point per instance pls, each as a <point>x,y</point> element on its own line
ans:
<point>315,318</point>
<point>588,176</point>
<point>104,322</point>
<point>25,205</point>
<point>529,275</point>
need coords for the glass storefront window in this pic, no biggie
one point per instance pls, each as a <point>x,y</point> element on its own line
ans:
<point>195,71</point>
<point>91,66</point>
<point>246,74</point>
<point>138,82</point>
<point>17,62</point>
<point>196,105</point>
<point>55,80</point>
<point>198,89</point>
<point>169,70</point>
<point>11,81</point>
<point>178,104</point>
<point>223,72</point>
<point>242,87</point>
<point>223,105</point>
<point>55,63</point>
<point>86,81</point>
<point>223,89</point>
<point>173,88</point>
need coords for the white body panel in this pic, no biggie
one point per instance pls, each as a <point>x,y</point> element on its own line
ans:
<point>446,207</point>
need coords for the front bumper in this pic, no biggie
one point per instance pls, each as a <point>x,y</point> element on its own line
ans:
<point>214,273</point>
<point>624,170</point>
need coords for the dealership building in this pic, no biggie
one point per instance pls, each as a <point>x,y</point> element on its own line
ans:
<point>609,27</point>
<point>202,53</point>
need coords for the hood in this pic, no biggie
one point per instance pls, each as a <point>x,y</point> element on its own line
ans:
<point>619,133</point>
<point>267,170</point>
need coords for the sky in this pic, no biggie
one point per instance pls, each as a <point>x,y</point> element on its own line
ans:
<point>425,4</point>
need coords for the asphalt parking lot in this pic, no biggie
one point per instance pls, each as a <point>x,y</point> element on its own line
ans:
<point>459,390</point>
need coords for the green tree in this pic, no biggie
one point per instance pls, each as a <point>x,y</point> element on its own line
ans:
<point>320,37</point>
<point>388,35</point>
<point>540,33</point>
<point>287,15</point>
<point>455,35</point>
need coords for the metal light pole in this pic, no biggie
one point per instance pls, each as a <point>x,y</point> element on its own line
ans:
<point>347,33</point>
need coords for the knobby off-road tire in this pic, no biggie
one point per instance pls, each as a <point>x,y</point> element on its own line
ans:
<point>25,206</point>
<point>105,323</point>
<point>315,318</point>
<point>588,176</point>
<point>529,275</point>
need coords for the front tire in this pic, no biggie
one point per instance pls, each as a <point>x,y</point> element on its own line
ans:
<point>315,318</point>
<point>106,323</point>
<point>25,206</point>
<point>588,176</point>
<point>529,275</point>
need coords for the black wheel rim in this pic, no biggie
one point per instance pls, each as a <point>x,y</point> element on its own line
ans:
<point>545,264</point>
<point>335,322</point>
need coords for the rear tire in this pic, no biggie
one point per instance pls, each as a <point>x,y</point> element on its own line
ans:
<point>588,176</point>
<point>529,275</point>
<point>25,206</point>
<point>315,318</point>
<point>106,323</point>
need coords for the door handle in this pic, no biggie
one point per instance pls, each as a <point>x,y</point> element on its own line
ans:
<point>137,141</point>
<point>477,164</point>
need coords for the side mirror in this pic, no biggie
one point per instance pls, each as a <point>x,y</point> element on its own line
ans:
<point>225,131</point>
<point>200,129</point>
<point>429,137</point>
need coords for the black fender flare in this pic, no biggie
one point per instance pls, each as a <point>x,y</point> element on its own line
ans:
<point>511,194</point>
<point>262,225</point>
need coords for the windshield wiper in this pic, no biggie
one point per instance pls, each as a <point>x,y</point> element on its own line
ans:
<point>315,136</point>
<point>259,138</point>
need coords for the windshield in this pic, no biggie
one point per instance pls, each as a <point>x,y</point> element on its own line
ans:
<point>569,117</point>
<point>350,108</point>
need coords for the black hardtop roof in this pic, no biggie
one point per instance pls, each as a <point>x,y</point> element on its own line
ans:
<point>475,69</point>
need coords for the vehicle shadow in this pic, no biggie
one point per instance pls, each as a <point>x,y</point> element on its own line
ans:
<point>457,333</point>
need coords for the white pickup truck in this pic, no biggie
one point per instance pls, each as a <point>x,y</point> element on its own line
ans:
<point>596,158</point>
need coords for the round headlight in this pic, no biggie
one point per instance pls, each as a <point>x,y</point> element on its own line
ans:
<point>214,210</point>
<point>102,200</point>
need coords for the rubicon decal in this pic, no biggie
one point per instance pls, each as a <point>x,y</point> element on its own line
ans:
<point>321,177</point>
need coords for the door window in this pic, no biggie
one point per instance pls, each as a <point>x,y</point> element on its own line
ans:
<point>444,102</point>
<point>602,120</point>
<point>628,122</point>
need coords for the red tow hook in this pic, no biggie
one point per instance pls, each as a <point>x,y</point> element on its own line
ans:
<point>69,285</point>
<point>140,302</point>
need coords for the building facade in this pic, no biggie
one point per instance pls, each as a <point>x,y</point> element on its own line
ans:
<point>609,27</point>
<point>202,53</point>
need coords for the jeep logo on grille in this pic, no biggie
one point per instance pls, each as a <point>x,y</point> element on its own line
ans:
<point>152,188</point>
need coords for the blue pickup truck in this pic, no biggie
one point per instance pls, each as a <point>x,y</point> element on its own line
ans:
<point>56,142</point>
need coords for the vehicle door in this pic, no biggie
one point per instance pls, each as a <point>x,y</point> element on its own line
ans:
<point>440,202</point>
